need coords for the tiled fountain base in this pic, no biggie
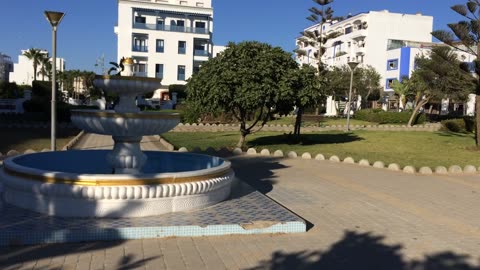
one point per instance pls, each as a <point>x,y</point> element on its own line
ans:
<point>247,212</point>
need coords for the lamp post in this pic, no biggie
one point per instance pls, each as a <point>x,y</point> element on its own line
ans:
<point>352,66</point>
<point>54,18</point>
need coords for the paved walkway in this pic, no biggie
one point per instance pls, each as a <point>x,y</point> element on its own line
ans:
<point>360,218</point>
<point>96,141</point>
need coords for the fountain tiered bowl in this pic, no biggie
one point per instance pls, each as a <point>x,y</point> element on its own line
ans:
<point>124,181</point>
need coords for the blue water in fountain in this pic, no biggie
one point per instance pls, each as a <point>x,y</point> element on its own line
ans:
<point>94,162</point>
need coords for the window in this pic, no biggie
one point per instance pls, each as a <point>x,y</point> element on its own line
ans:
<point>182,47</point>
<point>160,45</point>
<point>160,24</point>
<point>159,71</point>
<point>349,44</point>
<point>177,25</point>
<point>140,44</point>
<point>389,83</point>
<point>140,19</point>
<point>348,30</point>
<point>200,24</point>
<point>181,73</point>
<point>199,4</point>
<point>392,64</point>
<point>140,70</point>
<point>183,3</point>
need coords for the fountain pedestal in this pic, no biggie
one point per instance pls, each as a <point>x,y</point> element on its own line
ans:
<point>126,156</point>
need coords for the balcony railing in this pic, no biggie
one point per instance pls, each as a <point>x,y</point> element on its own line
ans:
<point>140,48</point>
<point>182,50</point>
<point>200,53</point>
<point>141,74</point>
<point>159,75</point>
<point>170,28</point>
<point>160,49</point>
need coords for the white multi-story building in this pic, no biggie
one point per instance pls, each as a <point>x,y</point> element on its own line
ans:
<point>23,73</point>
<point>168,39</point>
<point>368,38</point>
<point>6,66</point>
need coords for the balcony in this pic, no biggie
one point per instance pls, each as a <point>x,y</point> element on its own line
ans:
<point>140,48</point>
<point>361,51</point>
<point>358,34</point>
<point>170,28</point>
<point>201,53</point>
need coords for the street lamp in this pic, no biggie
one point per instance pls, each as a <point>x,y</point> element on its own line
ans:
<point>54,18</point>
<point>352,66</point>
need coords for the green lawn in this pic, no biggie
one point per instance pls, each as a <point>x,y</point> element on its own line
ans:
<point>326,121</point>
<point>21,139</point>
<point>406,148</point>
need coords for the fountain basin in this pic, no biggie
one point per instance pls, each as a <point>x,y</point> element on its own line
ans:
<point>79,184</point>
<point>124,124</point>
<point>127,85</point>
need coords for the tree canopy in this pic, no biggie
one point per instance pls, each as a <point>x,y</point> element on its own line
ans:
<point>36,56</point>
<point>246,80</point>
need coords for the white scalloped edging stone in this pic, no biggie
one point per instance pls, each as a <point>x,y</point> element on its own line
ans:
<point>455,169</point>
<point>409,169</point>
<point>319,157</point>
<point>394,167</point>
<point>183,149</point>
<point>29,151</point>
<point>251,151</point>
<point>469,169</point>
<point>349,160</point>
<point>364,162</point>
<point>237,151</point>
<point>292,154</point>
<point>441,170</point>
<point>278,153</point>
<point>425,170</point>
<point>265,152</point>
<point>334,158</point>
<point>306,155</point>
<point>13,153</point>
<point>379,164</point>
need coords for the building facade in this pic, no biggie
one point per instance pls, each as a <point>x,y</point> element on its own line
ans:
<point>6,66</point>
<point>168,39</point>
<point>23,73</point>
<point>368,38</point>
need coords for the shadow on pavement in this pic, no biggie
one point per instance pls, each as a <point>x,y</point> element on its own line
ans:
<point>364,251</point>
<point>305,139</point>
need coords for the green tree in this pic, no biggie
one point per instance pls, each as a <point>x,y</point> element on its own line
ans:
<point>303,90</point>
<point>36,56</point>
<point>402,89</point>
<point>316,39</point>
<point>440,76</point>
<point>247,79</point>
<point>465,36</point>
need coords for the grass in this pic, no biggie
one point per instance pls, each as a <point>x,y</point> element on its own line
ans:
<point>21,139</point>
<point>405,148</point>
<point>326,121</point>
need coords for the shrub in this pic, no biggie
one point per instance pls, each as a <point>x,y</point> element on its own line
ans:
<point>454,125</point>
<point>382,117</point>
<point>469,123</point>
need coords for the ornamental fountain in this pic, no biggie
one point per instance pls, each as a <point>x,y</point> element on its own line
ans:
<point>123,182</point>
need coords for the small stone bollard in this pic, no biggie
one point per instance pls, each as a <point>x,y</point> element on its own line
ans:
<point>441,170</point>
<point>455,169</point>
<point>278,153</point>
<point>292,154</point>
<point>409,169</point>
<point>349,160</point>
<point>425,170</point>
<point>237,151</point>
<point>319,157</point>
<point>334,158</point>
<point>469,169</point>
<point>306,155</point>
<point>183,149</point>
<point>13,153</point>
<point>265,152</point>
<point>364,162</point>
<point>251,151</point>
<point>29,151</point>
<point>379,164</point>
<point>394,167</point>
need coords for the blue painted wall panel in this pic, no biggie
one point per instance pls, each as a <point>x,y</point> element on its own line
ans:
<point>405,62</point>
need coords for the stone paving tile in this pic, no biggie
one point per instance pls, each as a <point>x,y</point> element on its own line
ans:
<point>362,218</point>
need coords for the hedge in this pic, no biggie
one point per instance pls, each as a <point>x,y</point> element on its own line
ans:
<point>460,125</point>
<point>383,117</point>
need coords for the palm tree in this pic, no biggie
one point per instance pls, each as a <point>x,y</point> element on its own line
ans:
<point>35,55</point>
<point>46,67</point>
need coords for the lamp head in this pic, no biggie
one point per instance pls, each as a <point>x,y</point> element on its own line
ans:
<point>54,17</point>
<point>352,65</point>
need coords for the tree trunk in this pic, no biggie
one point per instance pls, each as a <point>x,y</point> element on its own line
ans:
<point>298,122</point>
<point>243,134</point>
<point>477,120</point>
<point>415,110</point>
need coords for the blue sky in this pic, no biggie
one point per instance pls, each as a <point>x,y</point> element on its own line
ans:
<point>86,32</point>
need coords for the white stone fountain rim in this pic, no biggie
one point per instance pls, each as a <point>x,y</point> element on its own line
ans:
<point>113,114</point>
<point>14,169</point>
